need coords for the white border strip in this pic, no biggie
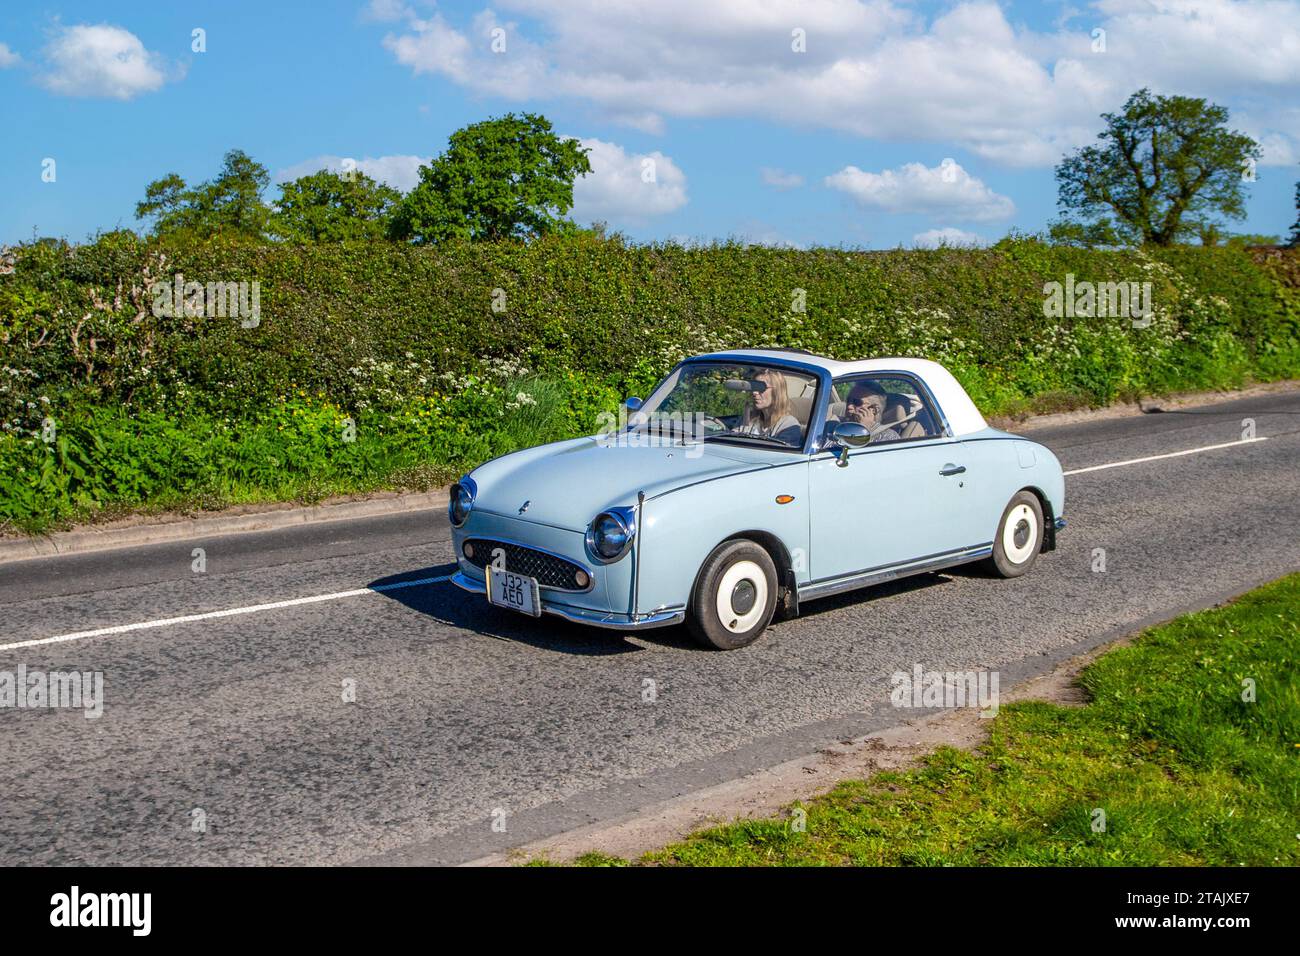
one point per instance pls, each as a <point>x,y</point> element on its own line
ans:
<point>1172,454</point>
<point>228,612</point>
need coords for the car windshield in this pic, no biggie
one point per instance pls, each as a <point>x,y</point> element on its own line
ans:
<point>732,401</point>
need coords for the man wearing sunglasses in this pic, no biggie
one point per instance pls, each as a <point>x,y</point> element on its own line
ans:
<point>866,406</point>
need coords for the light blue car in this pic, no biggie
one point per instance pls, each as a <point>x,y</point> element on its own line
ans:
<point>753,480</point>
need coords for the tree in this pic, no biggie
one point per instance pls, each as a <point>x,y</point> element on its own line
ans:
<point>1253,239</point>
<point>505,178</point>
<point>163,200</point>
<point>1165,169</point>
<point>330,207</point>
<point>1086,235</point>
<point>232,202</point>
<point>1295,230</point>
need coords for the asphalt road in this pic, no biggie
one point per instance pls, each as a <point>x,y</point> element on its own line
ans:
<point>465,716</point>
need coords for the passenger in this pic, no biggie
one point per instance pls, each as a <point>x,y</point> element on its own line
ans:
<point>866,406</point>
<point>769,412</point>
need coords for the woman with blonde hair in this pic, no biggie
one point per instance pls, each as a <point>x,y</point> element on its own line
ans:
<point>769,411</point>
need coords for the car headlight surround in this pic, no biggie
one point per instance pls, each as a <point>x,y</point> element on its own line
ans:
<point>461,501</point>
<point>610,534</point>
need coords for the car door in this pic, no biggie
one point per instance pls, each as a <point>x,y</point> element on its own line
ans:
<point>896,501</point>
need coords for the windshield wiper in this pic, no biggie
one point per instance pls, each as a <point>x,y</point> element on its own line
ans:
<point>742,436</point>
<point>663,427</point>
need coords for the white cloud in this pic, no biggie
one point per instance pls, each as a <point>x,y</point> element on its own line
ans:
<point>432,47</point>
<point>627,188</point>
<point>883,69</point>
<point>651,123</point>
<point>386,11</point>
<point>779,178</point>
<point>101,60</point>
<point>944,191</point>
<point>400,172</point>
<point>8,57</point>
<point>1277,134</point>
<point>948,236</point>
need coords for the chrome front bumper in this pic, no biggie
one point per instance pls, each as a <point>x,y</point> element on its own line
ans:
<point>580,615</point>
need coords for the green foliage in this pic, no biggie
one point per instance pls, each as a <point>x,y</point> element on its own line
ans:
<point>406,341</point>
<point>1188,767</point>
<point>1295,229</point>
<point>333,207</point>
<point>1166,169</point>
<point>504,178</point>
<point>300,447</point>
<point>1085,235</point>
<point>1253,239</point>
<point>230,203</point>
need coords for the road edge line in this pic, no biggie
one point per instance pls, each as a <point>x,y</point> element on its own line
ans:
<point>79,542</point>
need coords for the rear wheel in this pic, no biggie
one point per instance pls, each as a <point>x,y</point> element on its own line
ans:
<point>1019,537</point>
<point>734,596</point>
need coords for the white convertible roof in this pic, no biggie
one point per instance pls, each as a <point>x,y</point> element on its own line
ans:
<point>963,417</point>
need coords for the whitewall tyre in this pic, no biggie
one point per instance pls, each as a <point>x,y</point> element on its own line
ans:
<point>734,596</point>
<point>1019,536</point>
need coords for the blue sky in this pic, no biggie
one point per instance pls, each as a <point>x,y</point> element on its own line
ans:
<point>867,123</point>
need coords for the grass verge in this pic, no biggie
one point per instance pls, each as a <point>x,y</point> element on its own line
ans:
<point>1188,766</point>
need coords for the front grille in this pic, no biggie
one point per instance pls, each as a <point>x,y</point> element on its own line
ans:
<point>549,570</point>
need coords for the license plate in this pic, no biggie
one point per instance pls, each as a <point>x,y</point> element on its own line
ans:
<point>507,589</point>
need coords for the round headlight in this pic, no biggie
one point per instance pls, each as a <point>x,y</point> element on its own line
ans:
<point>609,536</point>
<point>461,502</point>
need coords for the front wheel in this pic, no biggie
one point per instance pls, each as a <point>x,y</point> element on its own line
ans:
<point>734,596</point>
<point>1019,537</point>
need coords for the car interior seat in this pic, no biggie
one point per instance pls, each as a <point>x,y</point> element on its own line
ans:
<point>801,408</point>
<point>899,406</point>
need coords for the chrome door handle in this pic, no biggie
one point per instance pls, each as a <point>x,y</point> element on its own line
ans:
<point>952,470</point>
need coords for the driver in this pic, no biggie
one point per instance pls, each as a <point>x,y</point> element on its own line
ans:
<point>866,405</point>
<point>768,412</point>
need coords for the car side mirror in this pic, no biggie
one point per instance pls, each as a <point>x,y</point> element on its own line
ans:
<point>849,435</point>
<point>632,404</point>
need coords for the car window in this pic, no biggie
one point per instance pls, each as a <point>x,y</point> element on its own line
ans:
<point>733,401</point>
<point>890,405</point>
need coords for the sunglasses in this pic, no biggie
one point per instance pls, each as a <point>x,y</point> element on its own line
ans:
<point>865,401</point>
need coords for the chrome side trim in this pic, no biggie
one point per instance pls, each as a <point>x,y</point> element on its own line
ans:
<point>636,555</point>
<point>862,579</point>
<point>660,617</point>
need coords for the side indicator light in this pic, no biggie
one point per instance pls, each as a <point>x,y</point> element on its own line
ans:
<point>784,499</point>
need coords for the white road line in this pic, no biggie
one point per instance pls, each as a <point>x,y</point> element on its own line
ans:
<point>228,612</point>
<point>357,592</point>
<point>1172,454</point>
